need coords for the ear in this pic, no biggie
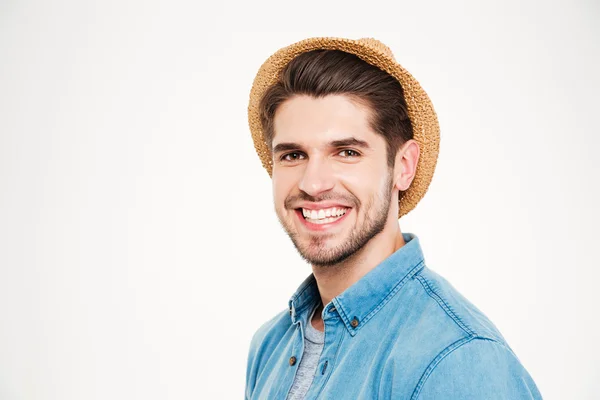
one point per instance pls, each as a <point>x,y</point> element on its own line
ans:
<point>405,167</point>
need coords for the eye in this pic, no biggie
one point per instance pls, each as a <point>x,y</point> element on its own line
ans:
<point>284,157</point>
<point>356,153</point>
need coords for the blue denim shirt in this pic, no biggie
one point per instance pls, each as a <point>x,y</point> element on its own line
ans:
<point>400,332</point>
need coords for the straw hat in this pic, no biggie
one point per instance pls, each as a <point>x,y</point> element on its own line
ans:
<point>420,109</point>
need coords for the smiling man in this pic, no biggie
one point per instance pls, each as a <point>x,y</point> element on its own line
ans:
<point>351,140</point>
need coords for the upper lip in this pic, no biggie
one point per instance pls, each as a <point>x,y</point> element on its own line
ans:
<point>321,205</point>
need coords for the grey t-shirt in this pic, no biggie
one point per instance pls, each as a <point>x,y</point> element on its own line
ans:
<point>313,345</point>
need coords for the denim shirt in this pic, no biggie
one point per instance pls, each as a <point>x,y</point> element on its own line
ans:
<point>400,332</point>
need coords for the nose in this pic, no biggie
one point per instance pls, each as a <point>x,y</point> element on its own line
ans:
<point>317,177</point>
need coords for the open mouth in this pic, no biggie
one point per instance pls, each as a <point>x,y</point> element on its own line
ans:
<point>322,216</point>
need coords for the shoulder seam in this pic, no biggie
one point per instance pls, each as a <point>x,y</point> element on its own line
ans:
<point>444,305</point>
<point>443,354</point>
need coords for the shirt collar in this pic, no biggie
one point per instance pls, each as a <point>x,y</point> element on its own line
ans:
<point>361,301</point>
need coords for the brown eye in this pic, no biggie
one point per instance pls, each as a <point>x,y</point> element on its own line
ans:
<point>353,153</point>
<point>284,157</point>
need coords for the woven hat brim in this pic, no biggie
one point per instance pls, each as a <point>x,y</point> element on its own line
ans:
<point>420,109</point>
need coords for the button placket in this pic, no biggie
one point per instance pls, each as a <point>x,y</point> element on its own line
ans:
<point>334,332</point>
<point>295,356</point>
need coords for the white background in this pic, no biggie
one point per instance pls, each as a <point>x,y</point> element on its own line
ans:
<point>139,249</point>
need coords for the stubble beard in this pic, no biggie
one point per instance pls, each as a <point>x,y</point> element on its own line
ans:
<point>317,253</point>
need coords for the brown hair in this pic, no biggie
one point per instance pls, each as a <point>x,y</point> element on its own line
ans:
<point>319,73</point>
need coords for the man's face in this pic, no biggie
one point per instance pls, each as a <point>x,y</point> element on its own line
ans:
<point>331,198</point>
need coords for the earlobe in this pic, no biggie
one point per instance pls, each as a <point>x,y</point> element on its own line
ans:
<point>406,164</point>
<point>400,176</point>
<point>402,184</point>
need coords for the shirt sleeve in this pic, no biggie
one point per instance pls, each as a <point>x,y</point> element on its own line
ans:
<point>478,369</point>
<point>251,366</point>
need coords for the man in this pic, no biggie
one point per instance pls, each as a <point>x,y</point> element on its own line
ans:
<point>351,140</point>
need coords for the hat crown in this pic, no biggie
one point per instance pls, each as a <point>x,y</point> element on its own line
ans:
<point>377,45</point>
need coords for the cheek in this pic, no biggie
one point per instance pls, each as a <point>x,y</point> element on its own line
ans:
<point>364,184</point>
<point>359,179</point>
<point>282,188</point>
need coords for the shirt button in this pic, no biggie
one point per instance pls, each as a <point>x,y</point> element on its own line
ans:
<point>292,360</point>
<point>354,322</point>
<point>332,309</point>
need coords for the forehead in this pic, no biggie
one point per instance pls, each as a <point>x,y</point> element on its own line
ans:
<point>313,121</point>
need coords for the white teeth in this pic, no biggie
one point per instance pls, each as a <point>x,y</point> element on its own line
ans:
<point>324,221</point>
<point>324,216</point>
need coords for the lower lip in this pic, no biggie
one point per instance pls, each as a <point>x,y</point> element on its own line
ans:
<point>321,227</point>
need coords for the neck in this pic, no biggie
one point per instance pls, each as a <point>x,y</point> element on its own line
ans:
<point>333,280</point>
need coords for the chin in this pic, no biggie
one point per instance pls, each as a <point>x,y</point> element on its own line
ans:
<point>324,253</point>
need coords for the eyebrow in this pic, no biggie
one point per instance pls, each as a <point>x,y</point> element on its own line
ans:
<point>351,141</point>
